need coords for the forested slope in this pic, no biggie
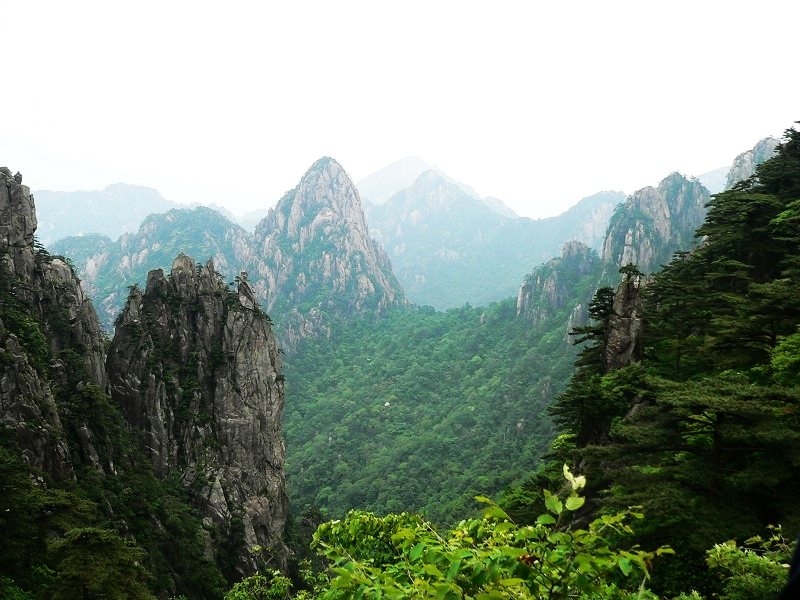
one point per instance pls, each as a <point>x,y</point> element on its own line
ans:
<point>704,431</point>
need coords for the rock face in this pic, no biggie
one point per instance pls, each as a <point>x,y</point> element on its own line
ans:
<point>317,253</point>
<point>44,314</point>
<point>744,165</point>
<point>559,282</point>
<point>108,267</point>
<point>624,342</point>
<point>196,368</point>
<point>193,367</point>
<point>654,223</point>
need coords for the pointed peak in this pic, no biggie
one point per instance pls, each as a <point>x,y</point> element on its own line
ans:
<point>326,164</point>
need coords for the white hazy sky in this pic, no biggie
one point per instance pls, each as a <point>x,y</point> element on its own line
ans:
<point>536,103</point>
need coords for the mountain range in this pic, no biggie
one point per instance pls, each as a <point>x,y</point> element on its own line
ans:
<point>170,432</point>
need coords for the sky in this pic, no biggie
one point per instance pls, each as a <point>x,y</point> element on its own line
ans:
<point>537,103</point>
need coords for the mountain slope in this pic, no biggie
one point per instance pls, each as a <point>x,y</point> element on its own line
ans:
<point>655,222</point>
<point>378,187</point>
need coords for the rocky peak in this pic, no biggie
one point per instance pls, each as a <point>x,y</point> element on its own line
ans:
<point>198,371</point>
<point>654,223</point>
<point>550,287</point>
<point>744,165</point>
<point>50,340</point>
<point>317,251</point>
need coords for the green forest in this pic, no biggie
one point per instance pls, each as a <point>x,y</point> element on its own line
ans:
<point>474,453</point>
<point>699,433</point>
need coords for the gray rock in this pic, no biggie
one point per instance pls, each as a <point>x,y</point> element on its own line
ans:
<point>196,367</point>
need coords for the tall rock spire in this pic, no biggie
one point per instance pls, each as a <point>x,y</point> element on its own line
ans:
<point>318,256</point>
<point>199,372</point>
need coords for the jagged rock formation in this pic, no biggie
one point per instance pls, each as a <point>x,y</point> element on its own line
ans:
<point>108,267</point>
<point>44,309</point>
<point>744,165</point>
<point>198,371</point>
<point>654,223</point>
<point>559,282</point>
<point>317,253</point>
<point>194,368</point>
<point>624,342</point>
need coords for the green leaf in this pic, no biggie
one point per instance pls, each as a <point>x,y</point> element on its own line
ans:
<point>546,520</point>
<point>453,570</point>
<point>625,566</point>
<point>416,551</point>
<point>574,502</point>
<point>553,504</point>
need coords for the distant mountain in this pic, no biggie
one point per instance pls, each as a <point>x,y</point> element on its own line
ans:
<point>115,210</point>
<point>714,181</point>
<point>384,183</point>
<point>251,219</point>
<point>499,207</point>
<point>449,248</point>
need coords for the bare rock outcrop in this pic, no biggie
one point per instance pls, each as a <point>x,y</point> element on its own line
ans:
<point>655,222</point>
<point>317,252</point>
<point>624,338</point>
<point>49,337</point>
<point>744,165</point>
<point>195,367</point>
<point>554,284</point>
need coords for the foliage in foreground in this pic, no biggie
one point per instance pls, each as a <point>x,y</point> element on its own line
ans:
<point>404,556</point>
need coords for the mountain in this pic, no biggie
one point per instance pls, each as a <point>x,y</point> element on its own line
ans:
<point>447,247</point>
<point>569,280</point>
<point>115,210</point>
<point>317,257</point>
<point>714,181</point>
<point>150,464</point>
<point>655,222</point>
<point>381,185</point>
<point>378,187</point>
<point>499,207</point>
<point>691,413</point>
<point>107,268</point>
<point>195,368</point>
<point>744,165</point>
<point>251,219</point>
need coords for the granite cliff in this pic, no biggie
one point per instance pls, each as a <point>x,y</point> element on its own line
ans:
<point>559,282</point>
<point>192,380</point>
<point>655,222</point>
<point>317,256</point>
<point>744,165</point>
<point>195,368</point>
<point>50,341</point>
